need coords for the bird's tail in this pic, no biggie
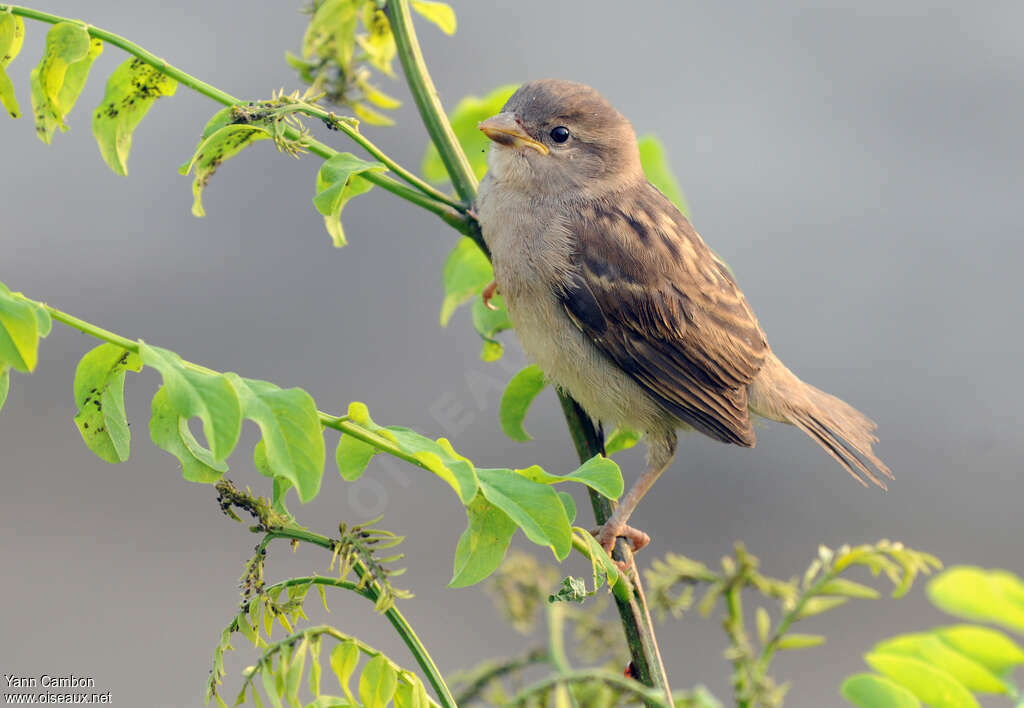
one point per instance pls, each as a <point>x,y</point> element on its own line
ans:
<point>844,432</point>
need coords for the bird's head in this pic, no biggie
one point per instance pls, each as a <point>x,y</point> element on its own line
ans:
<point>559,138</point>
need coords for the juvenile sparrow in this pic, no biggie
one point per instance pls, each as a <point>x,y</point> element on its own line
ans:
<point>619,301</point>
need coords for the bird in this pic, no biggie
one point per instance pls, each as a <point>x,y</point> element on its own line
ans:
<point>618,300</point>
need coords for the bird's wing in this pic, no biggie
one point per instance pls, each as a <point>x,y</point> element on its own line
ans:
<point>655,299</point>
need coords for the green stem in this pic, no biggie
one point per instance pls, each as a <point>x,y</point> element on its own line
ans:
<point>650,696</point>
<point>428,102</point>
<point>556,650</point>
<point>424,195</point>
<point>737,635</point>
<point>538,655</point>
<point>397,619</point>
<point>648,666</point>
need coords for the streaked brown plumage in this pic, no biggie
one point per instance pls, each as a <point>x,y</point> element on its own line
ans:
<point>621,303</point>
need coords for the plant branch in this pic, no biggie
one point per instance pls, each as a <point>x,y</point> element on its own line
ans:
<point>556,649</point>
<point>650,696</point>
<point>369,591</point>
<point>428,102</point>
<point>647,663</point>
<point>309,633</point>
<point>538,655</point>
<point>423,195</point>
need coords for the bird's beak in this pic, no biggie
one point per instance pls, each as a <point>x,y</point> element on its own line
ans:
<point>505,129</point>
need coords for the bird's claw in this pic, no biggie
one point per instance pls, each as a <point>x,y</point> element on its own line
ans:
<point>607,534</point>
<point>489,292</point>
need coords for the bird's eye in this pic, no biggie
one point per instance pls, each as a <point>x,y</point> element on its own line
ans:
<point>560,134</point>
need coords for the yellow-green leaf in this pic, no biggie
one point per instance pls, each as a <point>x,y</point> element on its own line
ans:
<point>60,76</point>
<point>12,35</point>
<point>344,659</point>
<point>817,605</point>
<point>99,395</point>
<point>977,594</point>
<point>658,172</point>
<point>440,13</point>
<point>5,384</point>
<point>599,473</point>
<point>222,139</point>
<point>534,507</point>
<point>131,91</point>
<point>848,588</point>
<point>338,181</point>
<point>800,641</point>
<point>622,438</point>
<point>870,691</point>
<point>483,544</point>
<point>931,684</point>
<point>377,683</point>
<point>19,332</point>
<point>516,400</point>
<point>988,647</point>
<point>466,272</point>
<point>169,431</point>
<point>930,648</point>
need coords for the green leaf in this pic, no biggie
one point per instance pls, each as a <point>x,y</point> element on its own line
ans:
<point>652,157</point>
<point>764,625</point>
<point>489,323</point>
<point>930,648</point>
<point>483,544</point>
<point>19,332</point>
<point>131,91</point>
<point>5,384</point>
<point>271,686</point>
<point>570,505</point>
<point>870,691</point>
<point>516,400</point>
<point>290,425</point>
<point>221,140</point>
<point>599,473</point>
<point>412,694</point>
<point>622,438</point>
<point>818,605</point>
<point>534,507</point>
<point>438,456</point>
<point>344,659</point>
<point>296,667</point>
<point>332,29</point>
<point>848,588</point>
<point>466,273</point>
<point>352,456</point>
<point>440,13</point>
<point>929,683</point>
<point>603,566</point>
<point>976,594</point>
<point>314,661</point>
<point>12,35</point>
<point>169,431</point>
<point>989,647</point>
<point>209,396</point>
<point>338,181</point>
<point>377,683</point>
<point>99,395</point>
<point>60,76</point>
<point>464,119</point>
<point>800,641</point>
<point>572,589</point>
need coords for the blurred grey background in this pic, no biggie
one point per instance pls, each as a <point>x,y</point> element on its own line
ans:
<point>857,164</point>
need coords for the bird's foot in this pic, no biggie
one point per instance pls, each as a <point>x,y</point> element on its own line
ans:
<point>489,292</point>
<point>607,534</point>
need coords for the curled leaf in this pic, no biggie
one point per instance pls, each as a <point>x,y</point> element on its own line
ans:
<point>440,13</point>
<point>516,400</point>
<point>466,272</point>
<point>19,331</point>
<point>60,76</point>
<point>12,35</point>
<point>130,92</point>
<point>169,431</point>
<point>99,395</point>
<point>221,140</point>
<point>338,181</point>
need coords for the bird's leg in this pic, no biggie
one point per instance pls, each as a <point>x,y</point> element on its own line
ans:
<point>662,450</point>
<point>488,293</point>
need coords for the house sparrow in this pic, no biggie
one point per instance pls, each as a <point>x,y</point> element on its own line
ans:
<point>622,305</point>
